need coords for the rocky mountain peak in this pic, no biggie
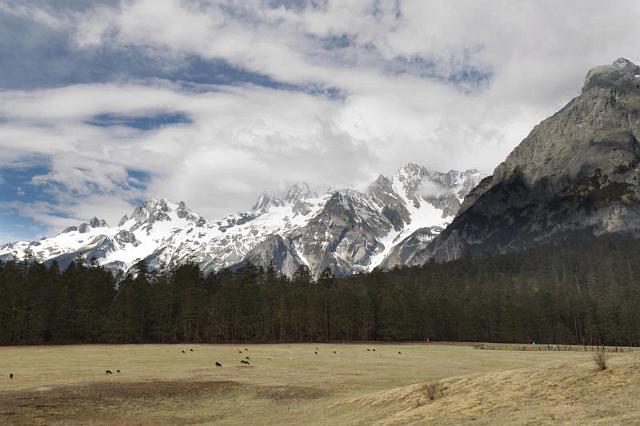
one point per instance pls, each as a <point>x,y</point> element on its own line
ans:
<point>621,74</point>
<point>183,212</point>
<point>155,209</point>
<point>265,201</point>
<point>412,169</point>
<point>97,223</point>
<point>299,191</point>
<point>83,228</point>
<point>262,202</point>
<point>296,192</point>
<point>409,178</point>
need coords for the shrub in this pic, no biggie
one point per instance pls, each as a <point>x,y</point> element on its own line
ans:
<point>434,390</point>
<point>600,357</point>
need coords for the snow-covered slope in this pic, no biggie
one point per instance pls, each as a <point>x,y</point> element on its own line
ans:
<point>345,230</point>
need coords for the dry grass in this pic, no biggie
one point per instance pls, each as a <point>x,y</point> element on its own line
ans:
<point>289,384</point>
<point>559,393</point>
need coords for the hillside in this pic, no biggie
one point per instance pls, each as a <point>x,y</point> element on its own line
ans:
<point>574,393</point>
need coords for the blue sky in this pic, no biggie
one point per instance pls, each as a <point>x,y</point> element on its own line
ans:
<point>105,103</point>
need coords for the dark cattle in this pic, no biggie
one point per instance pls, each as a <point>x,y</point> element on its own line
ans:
<point>316,352</point>
<point>334,352</point>
<point>374,349</point>
<point>218,364</point>
<point>368,350</point>
<point>191,350</point>
<point>399,353</point>
<point>239,352</point>
<point>108,372</point>
<point>183,352</point>
<point>244,362</point>
<point>246,349</point>
<point>246,357</point>
<point>11,375</point>
<point>118,371</point>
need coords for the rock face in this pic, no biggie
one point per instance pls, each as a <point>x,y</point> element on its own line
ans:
<point>347,231</point>
<point>577,171</point>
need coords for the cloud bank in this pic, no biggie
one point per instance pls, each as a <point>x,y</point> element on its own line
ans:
<point>212,102</point>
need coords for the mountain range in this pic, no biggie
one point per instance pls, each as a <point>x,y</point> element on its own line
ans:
<point>347,231</point>
<point>576,174</point>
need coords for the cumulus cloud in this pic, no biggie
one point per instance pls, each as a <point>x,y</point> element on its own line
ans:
<point>332,93</point>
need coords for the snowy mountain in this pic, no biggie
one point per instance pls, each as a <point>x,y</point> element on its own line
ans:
<point>346,230</point>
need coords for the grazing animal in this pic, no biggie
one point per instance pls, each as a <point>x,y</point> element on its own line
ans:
<point>334,352</point>
<point>399,353</point>
<point>240,352</point>
<point>183,351</point>
<point>246,349</point>
<point>108,372</point>
<point>244,362</point>
<point>374,349</point>
<point>118,371</point>
<point>191,350</point>
<point>368,350</point>
<point>316,352</point>
<point>218,364</point>
<point>246,357</point>
<point>11,375</point>
<point>269,358</point>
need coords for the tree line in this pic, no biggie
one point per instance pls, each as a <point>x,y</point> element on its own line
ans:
<point>581,291</point>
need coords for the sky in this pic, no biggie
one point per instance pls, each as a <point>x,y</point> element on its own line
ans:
<point>106,103</point>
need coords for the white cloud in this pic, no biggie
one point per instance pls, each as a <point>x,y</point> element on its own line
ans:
<point>245,139</point>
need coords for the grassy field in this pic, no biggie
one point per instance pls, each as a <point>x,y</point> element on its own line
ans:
<point>291,384</point>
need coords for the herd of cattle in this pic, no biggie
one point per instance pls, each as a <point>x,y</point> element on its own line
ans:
<point>217,364</point>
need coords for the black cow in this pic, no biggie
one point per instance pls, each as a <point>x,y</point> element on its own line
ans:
<point>11,375</point>
<point>218,364</point>
<point>118,371</point>
<point>108,372</point>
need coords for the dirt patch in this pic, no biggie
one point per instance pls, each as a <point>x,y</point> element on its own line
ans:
<point>289,392</point>
<point>99,401</point>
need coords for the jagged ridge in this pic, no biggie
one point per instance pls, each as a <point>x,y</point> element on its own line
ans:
<point>345,230</point>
